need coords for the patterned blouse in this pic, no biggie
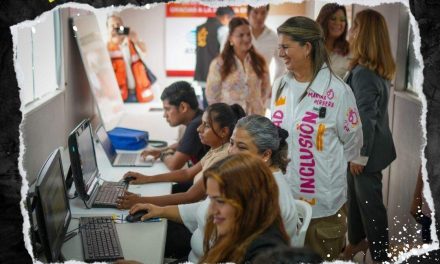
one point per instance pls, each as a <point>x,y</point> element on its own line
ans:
<point>242,86</point>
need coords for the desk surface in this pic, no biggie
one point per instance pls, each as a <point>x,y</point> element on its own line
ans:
<point>144,242</point>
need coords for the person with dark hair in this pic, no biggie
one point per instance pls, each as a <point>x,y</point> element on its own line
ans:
<point>253,134</point>
<point>288,255</point>
<point>372,69</point>
<point>333,20</point>
<point>127,54</point>
<point>239,75</point>
<point>210,37</point>
<point>319,111</point>
<point>180,108</point>
<point>265,39</point>
<point>218,121</point>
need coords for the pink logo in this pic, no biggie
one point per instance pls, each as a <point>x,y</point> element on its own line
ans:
<point>330,94</point>
<point>353,117</point>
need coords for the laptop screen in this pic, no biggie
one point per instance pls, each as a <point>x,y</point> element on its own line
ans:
<point>106,144</point>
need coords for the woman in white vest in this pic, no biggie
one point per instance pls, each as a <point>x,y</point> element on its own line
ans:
<point>319,111</point>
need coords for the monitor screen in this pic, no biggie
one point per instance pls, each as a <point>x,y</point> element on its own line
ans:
<point>87,155</point>
<point>53,211</point>
<point>83,159</point>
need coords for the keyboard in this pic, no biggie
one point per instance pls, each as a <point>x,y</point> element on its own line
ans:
<point>100,239</point>
<point>108,193</point>
<point>128,158</point>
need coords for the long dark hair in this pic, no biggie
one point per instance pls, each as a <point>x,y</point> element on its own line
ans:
<point>341,44</point>
<point>258,62</point>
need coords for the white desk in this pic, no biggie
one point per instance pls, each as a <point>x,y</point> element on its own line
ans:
<point>144,242</point>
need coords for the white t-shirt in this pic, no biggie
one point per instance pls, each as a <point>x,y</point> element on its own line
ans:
<point>194,217</point>
<point>267,45</point>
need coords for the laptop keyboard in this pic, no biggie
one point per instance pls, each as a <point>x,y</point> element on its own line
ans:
<point>100,239</point>
<point>127,158</point>
<point>108,193</point>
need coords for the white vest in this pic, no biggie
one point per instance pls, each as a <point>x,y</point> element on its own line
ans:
<point>325,133</point>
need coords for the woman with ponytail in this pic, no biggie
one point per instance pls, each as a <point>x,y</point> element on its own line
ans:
<point>218,121</point>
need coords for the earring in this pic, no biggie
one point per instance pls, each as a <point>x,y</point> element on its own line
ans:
<point>231,43</point>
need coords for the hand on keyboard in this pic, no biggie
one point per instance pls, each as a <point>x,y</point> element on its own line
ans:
<point>128,200</point>
<point>154,153</point>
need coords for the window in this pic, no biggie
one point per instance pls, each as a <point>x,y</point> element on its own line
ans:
<point>413,65</point>
<point>38,57</point>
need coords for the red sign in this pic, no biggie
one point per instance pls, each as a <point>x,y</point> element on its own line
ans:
<point>198,10</point>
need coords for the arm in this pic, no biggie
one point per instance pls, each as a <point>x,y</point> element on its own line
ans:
<point>194,194</point>
<point>155,152</point>
<point>170,212</point>
<point>349,126</point>
<point>172,176</point>
<point>366,87</point>
<point>213,83</point>
<point>133,36</point>
<point>176,161</point>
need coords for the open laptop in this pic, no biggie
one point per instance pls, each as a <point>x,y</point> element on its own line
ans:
<point>85,170</point>
<point>121,159</point>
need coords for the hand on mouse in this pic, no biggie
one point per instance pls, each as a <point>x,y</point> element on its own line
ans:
<point>151,152</point>
<point>136,177</point>
<point>153,210</point>
<point>127,200</point>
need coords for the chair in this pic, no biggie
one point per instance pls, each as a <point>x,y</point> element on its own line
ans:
<point>305,215</point>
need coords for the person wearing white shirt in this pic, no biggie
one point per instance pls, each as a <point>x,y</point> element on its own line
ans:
<point>319,111</point>
<point>265,40</point>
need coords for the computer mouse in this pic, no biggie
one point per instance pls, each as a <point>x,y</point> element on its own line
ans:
<point>136,217</point>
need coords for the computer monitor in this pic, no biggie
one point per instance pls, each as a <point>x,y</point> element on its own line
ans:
<point>83,160</point>
<point>52,207</point>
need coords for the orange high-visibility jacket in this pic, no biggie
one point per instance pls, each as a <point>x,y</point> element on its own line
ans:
<point>143,85</point>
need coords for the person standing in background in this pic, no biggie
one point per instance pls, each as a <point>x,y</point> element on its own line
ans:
<point>239,75</point>
<point>371,70</point>
<point>126,53</point>
<point>264,39</point>
<point>210,37</point>
<point>333,20</point>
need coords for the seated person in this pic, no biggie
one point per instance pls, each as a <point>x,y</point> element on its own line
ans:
<point>253,134</point>
<point>218,121</point>
<point>181,108</point>
<point>244,216</point>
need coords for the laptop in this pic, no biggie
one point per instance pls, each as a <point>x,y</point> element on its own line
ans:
<point>85,171</point>
<point>121,159</point>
